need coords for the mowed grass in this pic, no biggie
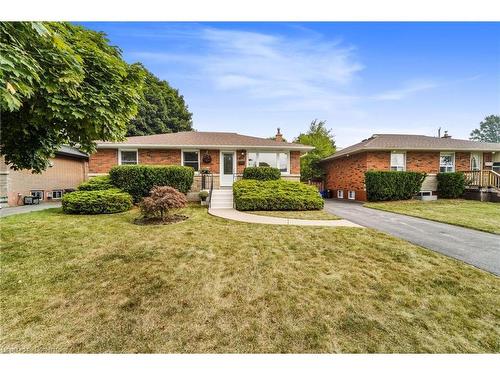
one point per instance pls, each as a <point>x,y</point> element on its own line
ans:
<point>208,285</point>
<point>484,216</point>
<point>309,215</point>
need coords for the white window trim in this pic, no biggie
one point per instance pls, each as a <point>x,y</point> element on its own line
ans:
<point>288,161</point>
<point>340,194</point>
<point>248,159</point>
<point>404,160</point>
<point>454,164</point>
<point>127,149</point>
<point>183,150</point>
<point>353,195</point>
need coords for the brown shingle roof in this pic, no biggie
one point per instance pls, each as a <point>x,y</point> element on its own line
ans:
<point>204,139</point>
<point>403,142</point>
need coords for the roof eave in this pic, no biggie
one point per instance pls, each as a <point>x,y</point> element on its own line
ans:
<point>205,147</point>
<point>71,155</point>
<point>441,149</point>
<point>437,149</point>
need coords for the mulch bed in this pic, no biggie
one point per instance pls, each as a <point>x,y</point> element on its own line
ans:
<point>172,219</point>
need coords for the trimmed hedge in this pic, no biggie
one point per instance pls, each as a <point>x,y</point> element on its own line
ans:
<point>392,186</point>
<point>138,180</point>
<point>96,202</point>
<point>451,184</point>
<point>277,195</point>
<point>261,173</point>
<point>96,183</point>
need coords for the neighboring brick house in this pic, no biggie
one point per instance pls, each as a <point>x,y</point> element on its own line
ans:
<point>225,154</point>
<point>345,170</point>
<point>67,169</point>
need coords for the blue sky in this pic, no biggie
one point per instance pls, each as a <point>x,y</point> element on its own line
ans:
<point>362,78</point>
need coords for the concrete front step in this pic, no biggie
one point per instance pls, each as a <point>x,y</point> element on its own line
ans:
<point>222,199</point>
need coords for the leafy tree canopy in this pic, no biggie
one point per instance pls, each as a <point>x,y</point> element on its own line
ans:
<point>61,84</point>
<point>489,130</point>
<point>322,139</point>
<point>161,109</point>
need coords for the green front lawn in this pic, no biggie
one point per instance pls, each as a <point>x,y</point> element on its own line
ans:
<point>483,216</point>
<point>308,215</point>
<point>103,284</point>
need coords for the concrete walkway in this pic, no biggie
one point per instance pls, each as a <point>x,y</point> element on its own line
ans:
<point>8,211</point>
<point>477,248</point>
<point>232,214</point>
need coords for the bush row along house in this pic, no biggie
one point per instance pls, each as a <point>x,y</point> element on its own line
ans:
<point>345,170</point>
<point>225,155</point>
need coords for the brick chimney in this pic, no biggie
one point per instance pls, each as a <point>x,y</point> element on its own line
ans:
<point>279,136</point>
<point>446,135</point>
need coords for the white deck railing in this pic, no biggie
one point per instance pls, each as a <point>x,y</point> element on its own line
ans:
<point>484,178</point>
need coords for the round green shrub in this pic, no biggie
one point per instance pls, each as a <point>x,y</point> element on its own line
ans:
<point>451,184</point>
<point>96,183</point>
<point>95,202</point>
<point>277,195</point>
<point>392,185</point>
<point>261,173</point>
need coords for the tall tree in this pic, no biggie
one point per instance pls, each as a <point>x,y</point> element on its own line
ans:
<point>61,84</point>
<point>161,109</point>
<point>488,131</point>
<point>324,145</point>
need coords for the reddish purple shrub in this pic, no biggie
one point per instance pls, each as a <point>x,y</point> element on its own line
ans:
<point>161,201</point>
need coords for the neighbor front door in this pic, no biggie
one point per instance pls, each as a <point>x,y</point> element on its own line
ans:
<point>475,161</point>
<point>227,168</point>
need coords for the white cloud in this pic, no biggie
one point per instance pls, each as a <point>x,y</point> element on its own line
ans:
<point>407,90</point>
<point>277,67</point>
<point>235,81</point>
<point>310,71</point>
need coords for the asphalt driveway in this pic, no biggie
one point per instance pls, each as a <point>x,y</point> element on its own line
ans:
<point>477,248</point>
<point>8,211</point>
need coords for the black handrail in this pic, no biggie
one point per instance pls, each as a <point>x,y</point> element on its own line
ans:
<point>211,185</point>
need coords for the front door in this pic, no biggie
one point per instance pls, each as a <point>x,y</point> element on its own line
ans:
<point>227,168</point>
<point>475,161</point>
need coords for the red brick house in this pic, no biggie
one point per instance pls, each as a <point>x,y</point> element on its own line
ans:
<point>404,152</point>
<point>68,168</point>
<point>225,154</point>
